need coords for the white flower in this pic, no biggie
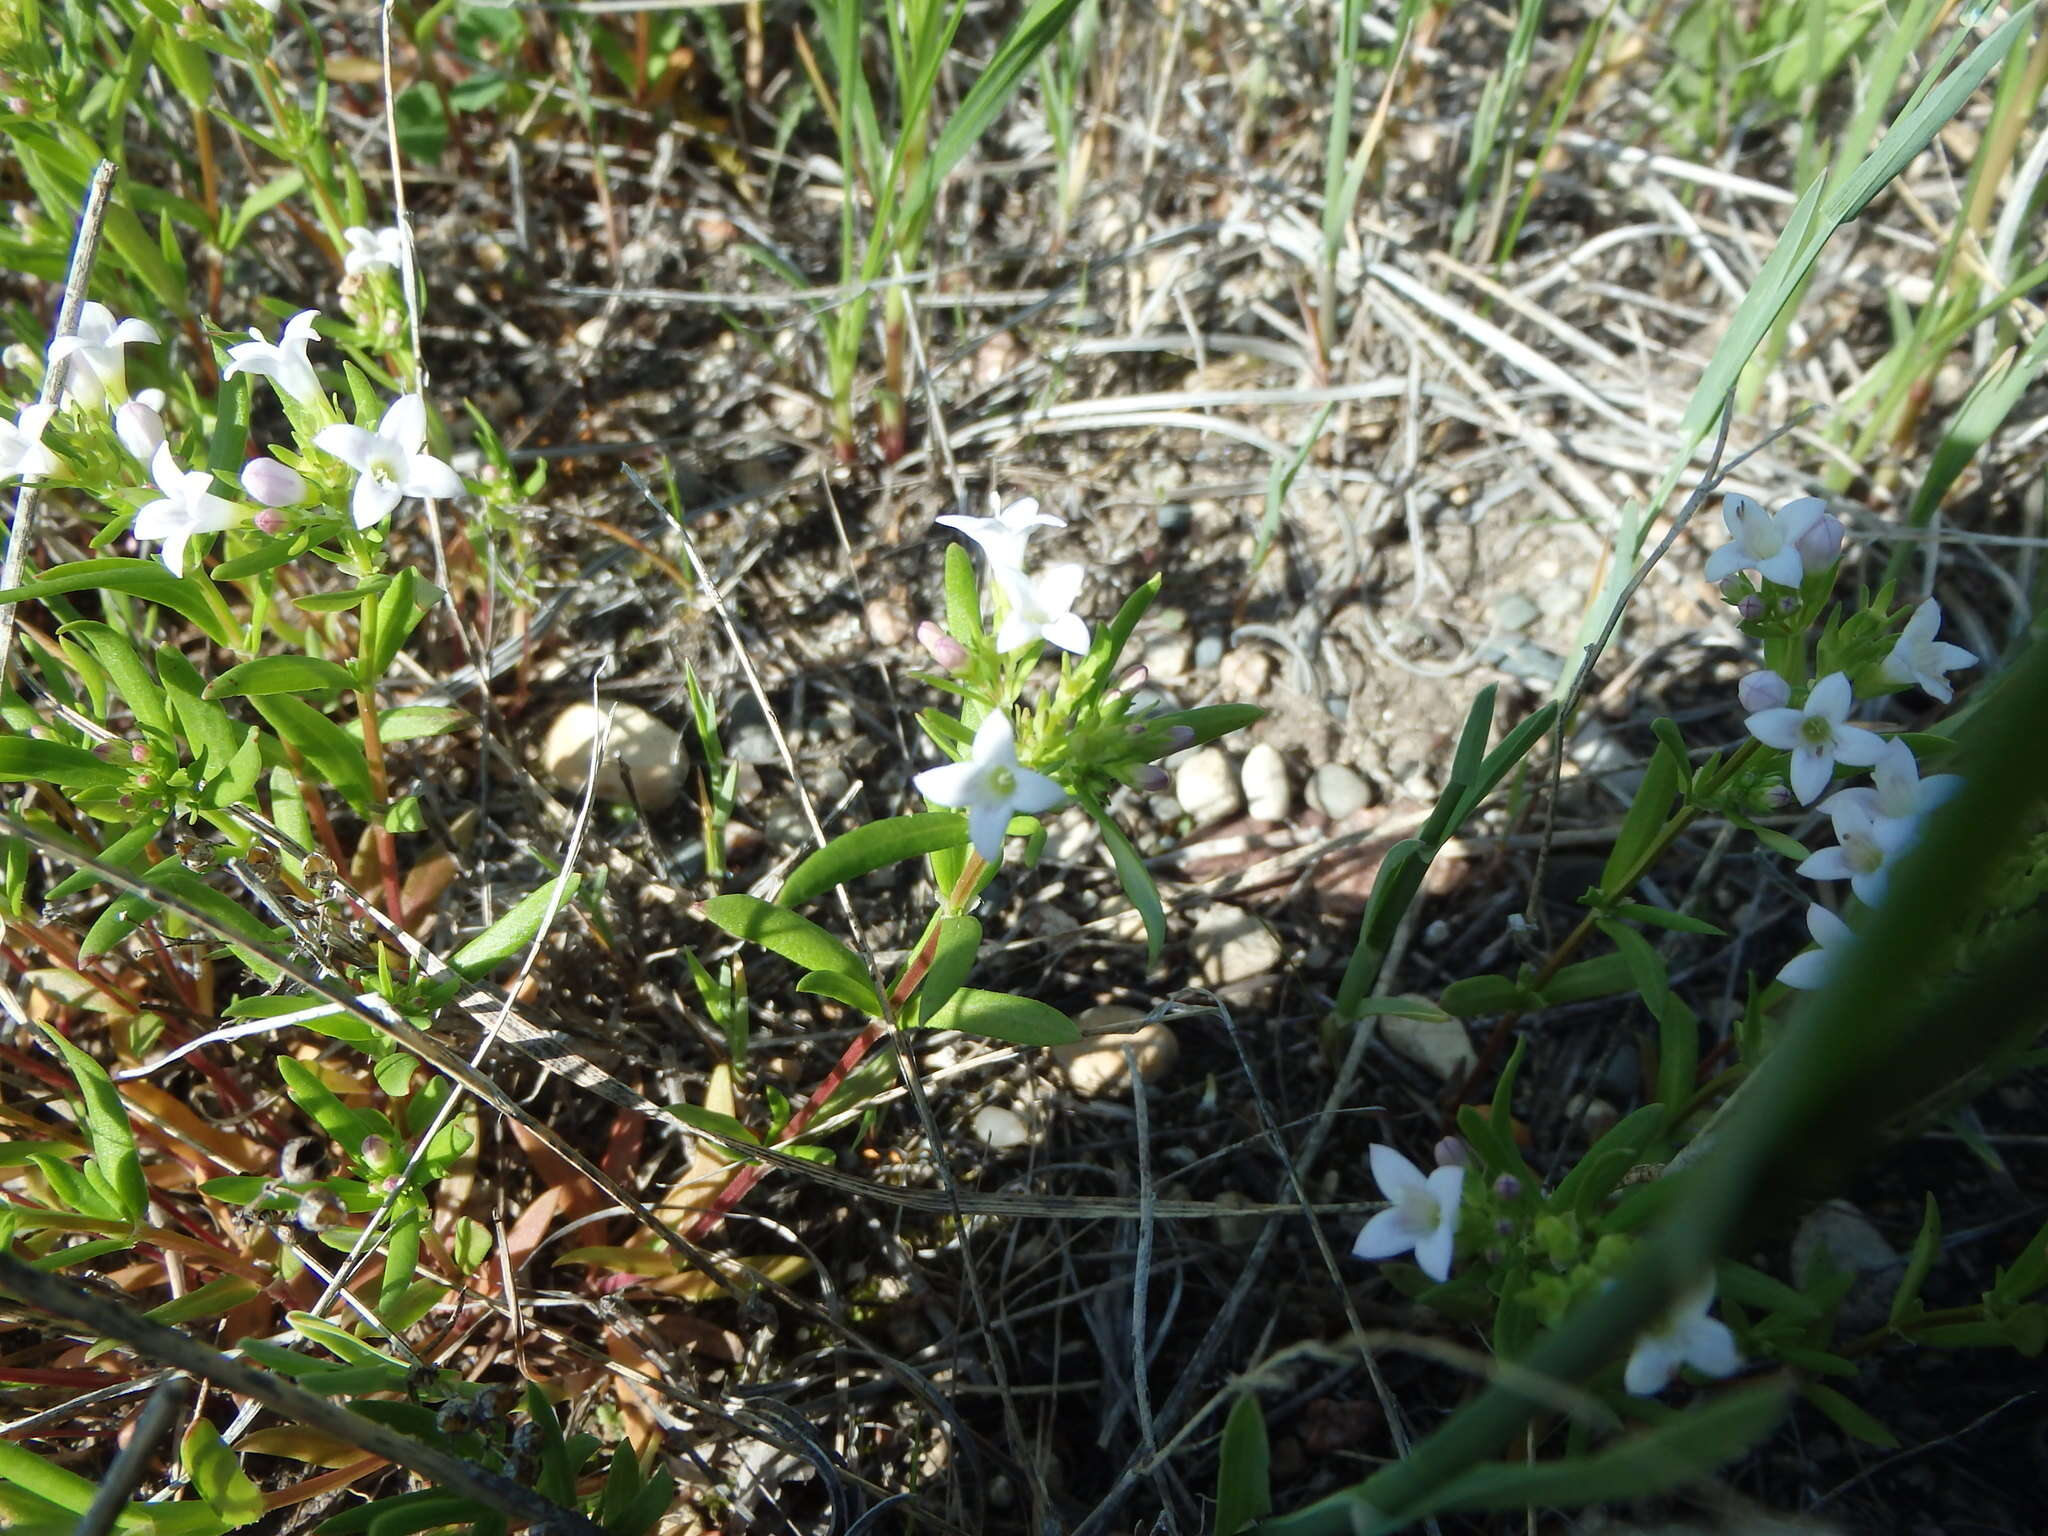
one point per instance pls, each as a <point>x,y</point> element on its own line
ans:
<point>1817,736</point>
<point>1902,798</point>
<point>1763,541</point>
<point>22,453</point>
<point>1918,657</point>
<point>991,786</point>
<point>98,367</point>
<point>140,424</point>
<point>373,250</point>
<point>388,461</point>
<point>1813,968</point>
<point>188,507</point>
<point>1761,690</point>
<point>1864,850</point>
<point>284,362</point>
<point>1683,1336</point>
<point>1041,607</point>
<point>1422,1217</point>
<point>1003,537</point>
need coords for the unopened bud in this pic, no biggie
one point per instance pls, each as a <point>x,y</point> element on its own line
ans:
<point>1504,1227</point>
<point>1179,738</point>
<point>274,484</point>
<point>1773,797</point>
<point>1820,545</point>
<point>140,426</point>
<point>1750,609</point>
<point>103,750</point>
<point>1788,605</point>
<point>270,521</point>
<point>1151,778</point>
<point>376,1150</point>
<point>1133,679</point>
<point>1508,1187</point>
<point>1452,1152</point>
<point>1763,690</point>
<point>138,752</point>
<point>22,359</point>
<point>945,650</point>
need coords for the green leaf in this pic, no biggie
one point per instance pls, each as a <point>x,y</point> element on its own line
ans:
<point>227,448</point>
<point>146,579</point>
<point>999,1016</point>
<point>54,762</point>
<point>414,722</point>
<point>215,740</point>
<point>1658,917</point>
<point>1244,1487</point>
<point>284,185</point>
<point>281,674</point>
<point>422,124</point>
<point>107,1129</point>
<point>796,939</point>
<point>130,675</point>
<point>871,846</point>
<point>963,599</point>
<point>1475,995</point>
<point>399,612</point>
<point>1683,1449</point>
<point>1466,762</point>
<point>957,948</point>
<point>1926,1249</point>
<point>345,599</point>
<point>1647,814</point>
<point>698,1118</point>
<point>1135,878</point>
<point>217,1297</point>
<point>841,988</point>
<point>1602,976</point>
<point>346,1126</point>
<point>515,931</point>
<point>1211,720</point>
<point>325,746</point>
<point>1847,1416</point>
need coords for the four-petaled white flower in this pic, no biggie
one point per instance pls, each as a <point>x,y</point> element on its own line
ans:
<point>1818,736</point>
<point>99,369</point>
<point>1902,798</point>
<point>373,250</point>
<point>282,362</point>
<point>1862,854</point>
<point>1003,537</point>
<point>991,786</point>
<point>1683,1336</point>
<point>1814,967</point>
<point>1423,1215</point>
<point>188,507</point>
<point>388,461</point>
<point>22,453</point>
<point>1764,541</point>
<point>1917,657</point>
<point>1041,607</point>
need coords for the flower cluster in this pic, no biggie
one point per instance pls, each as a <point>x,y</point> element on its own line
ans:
<point>1873,824</point>
<point>389,462</point>
<point>1037,605</point>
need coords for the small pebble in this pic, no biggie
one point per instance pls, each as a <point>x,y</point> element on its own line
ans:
<point>1514,610</point>
<point>1268,793</point>
<point>1167,657</point>
<point>887,622</point>
<point>1244,674</point>
<point>649,750</point>
<point>752,744</point>
<point>1230,945</point>
<point>1096,1064</point>
<point>1850,1243</point>
<point>1439,1046</point>
<point>1175,517</point>
<point>1338,791</point>
<point>1208,651</point>
<point>1206,785</point>
<point>1000,1129</point>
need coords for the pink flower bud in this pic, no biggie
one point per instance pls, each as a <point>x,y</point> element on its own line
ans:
<point>945,650</point>
<point>274,484</point>
<point>1820,544</point>
<point>140,428</point>
<point>1763,690</point>
<point>1151,778</point>
<point>138,753</point>
<point>1133,679</point>
<point>1451,1152</point>
<point>1507,1186</point>
<point>270,521</point>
